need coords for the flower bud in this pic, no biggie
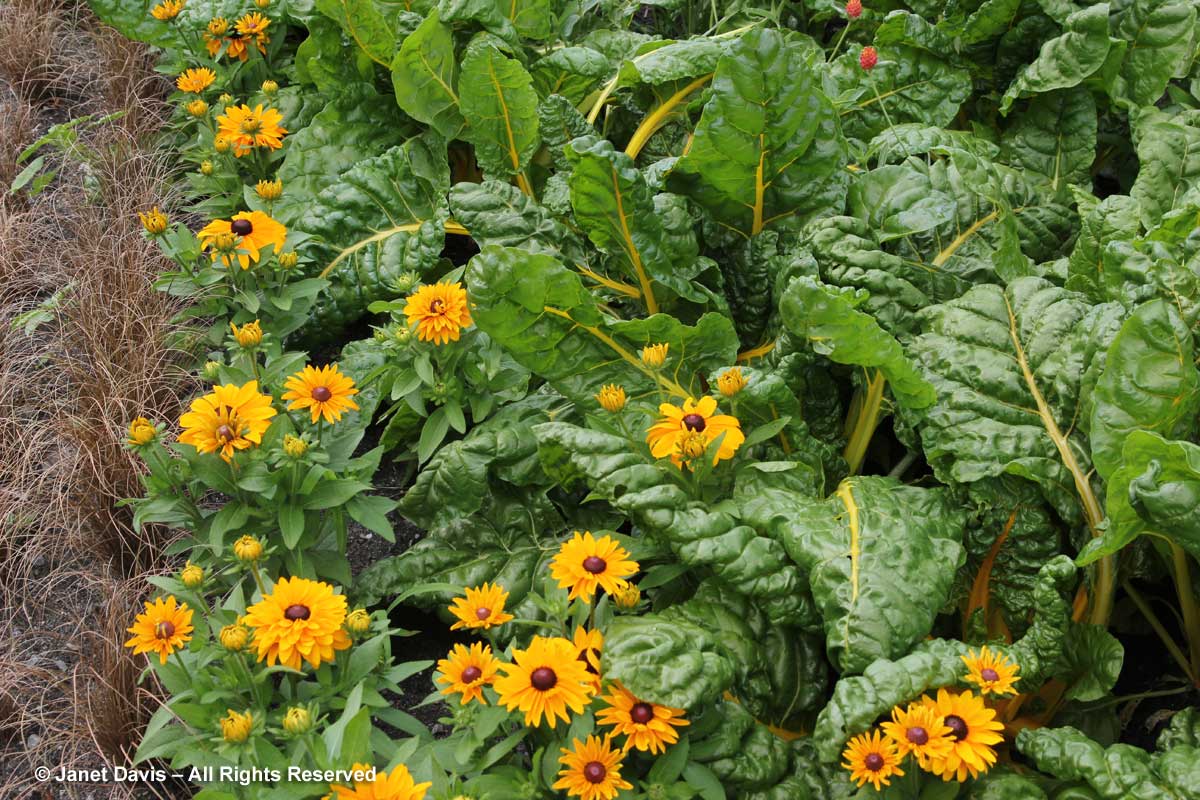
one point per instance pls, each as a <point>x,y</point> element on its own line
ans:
<point>249,335</point>
<point>221,144</point>
<point>628,597</point>
<point>234,637</point>
<point>154,221</point>
<point>269,190</point>
<point>248,549</point>
<point>212,370</point>
<point>197,108</point>
<point>294,446</point>
<point>854,9</point>
<point>611,397</point>
<point>288,260</point>
<point>206,168</point>
<point>191,575</point>
<point>298,720</point>
<point>141,432</point>
<point>869,58</point>
<point>270,87</point>
<point>225,99</point>
<point>731,381</point>
<point>218,26</point>
<point>358,621</point>
<point>655,355</point>
<point>235,727</point>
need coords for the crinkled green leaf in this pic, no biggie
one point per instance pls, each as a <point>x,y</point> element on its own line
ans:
<point>743,754</point>
<point>1115,218</point>
<point>1092,659</point>
<point>331,63</point>
<point>425,77</point>
<point>570,72</point>
<point>498,213</point>
<point>768,145</point>
<point>667,661</point>
<point>497,100</point>
<point>365,24</point>
<point>1168,151</point>
<point>1161,37</point>
<point>1056,136</point>
<point>906,139</point>
<point>828,319</point>
<point>1066,60</point>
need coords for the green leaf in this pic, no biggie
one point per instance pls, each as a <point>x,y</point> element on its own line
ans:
<point>1150,383</point>
<point>333,492</point>
<point>1066,60</point>
<point>1092,661</point>
<point>1093,267</point>
<point>1161,37</point>
<point>571,72</point>
<point>768,145</point>
<point>371,512</point>
<point>497,100</point>
<point>498,213</point>
<point>881,558</point>
<point>364,24</point>
<point>669,662</point>
<point>425,77</point>
<point>1056,136</point>
<point>828,320</point>
<point>1168,151</point>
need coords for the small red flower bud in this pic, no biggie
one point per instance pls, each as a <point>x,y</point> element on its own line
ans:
<point>869,58</point>
<point>854,9</point>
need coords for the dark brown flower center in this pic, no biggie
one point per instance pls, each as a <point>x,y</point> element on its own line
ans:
<point>482,613</point>
<point>873,762</point>
<point>543,679</point>
<point>241,227</point>
<point>594,564</point>
<point>437,305</point>
<point>471,674</point>
<point>989,674</point>
<point>164,630</point>
<point>917,735</point>
<point>641,713</point>
<point>297,611</point>
<point>693,422</point>
<point>594,772</point>
<point>957,726</point>
<point>321,394</point>
<point>226,433</point>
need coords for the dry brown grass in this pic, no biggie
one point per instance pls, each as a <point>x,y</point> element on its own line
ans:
<point>72,568</point>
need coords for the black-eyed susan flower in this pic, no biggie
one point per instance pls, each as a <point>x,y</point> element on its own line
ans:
<point>269,190</point>
<point>655,355</point>
<point>197,107</point>
<point>154,222</point>
<point>872,758</point>
<point>439,311</point>
<point>917,729</point>
<point>249,335</point>
<point>235,637</point>
<point>545,680</point>
<point>192,575</point>
<point>685,433</point>
<point>591,770</point>
<point>248,233</point>
<point>584,563</point>
<point>358,621</point>
<point>991,672</point>
<point>395,785</point>
<point>248,549</point>
<point>299,619</point>
<point>589,644</point>
<point>167,10</point>
<point>973,730</point>
<point>195,80</point>
<point>254,26</point>
<point>731,381</point>
<point>141,432</point>
<point>611,397</point>
<point>466,670</point>
<point>324,391</point>
<point>236,727</point>
<point>164,627</point>
<point>297,721</point>
<point>246,128</point>
<point>482,608</point>
<point>647,726</point>
<point>230,418</point>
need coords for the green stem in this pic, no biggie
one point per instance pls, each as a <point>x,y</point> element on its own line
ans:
<point>838,45</point>
<point>1152,618</point>
<point>1187,604</point>
<point>865,422</point>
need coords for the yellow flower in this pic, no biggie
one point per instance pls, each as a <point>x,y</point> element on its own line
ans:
<point>206,168</point>
<point>254,25</point>
<point>234,637</point>
<point>231,418</point>
<point>246,128</point>
<point>973,729</point>
<point>220,144</point>
<point>269,190</point>
<point>250,232</point>
<point>686,433</point>
<point>297,720</point>
<point>270,87</point>
<point>655,355</point>
<point>585,563</point>
<point>249,335</point>
<point>920,731</point>
<point>197,108</point>
<point>358,621</point>
<point>248,549</point>
<point>467,670</point>
<point>397,785</point>
<point>731,381</point>
<point>439,311</point>
<point>235,727</point>
<point>611,397</point>
<point>191,575</point>
<point>263,4</point>
<point>991,672</point>
<point>325,392</point>
<point>162,628</point>
<point>589,644</point>
<point>154,221</point>
<point>195,80</point>
<point>628,598</point>
<point>482,608</point>
<point>141,432</point>
<point>167,10</point>
<point>218,26</point>
<point>294,446</point>
<point>871,758</point>
<point>591,770</point>
<point>648,726</point>
<point>300,618</point>
<point>545,679</point>
<point>288,260</point>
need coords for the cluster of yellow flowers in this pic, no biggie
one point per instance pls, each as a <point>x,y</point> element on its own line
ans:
<point>555,677</point>
<point>951,735</point>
